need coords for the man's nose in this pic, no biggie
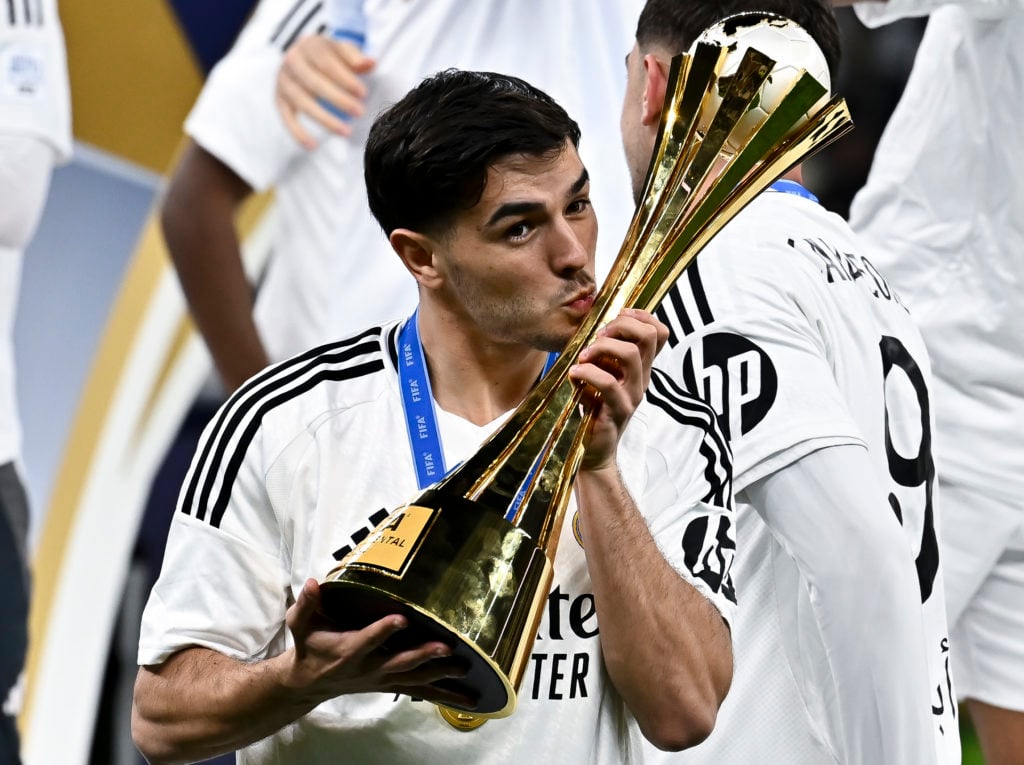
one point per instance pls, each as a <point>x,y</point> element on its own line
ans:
<point>570,252</point>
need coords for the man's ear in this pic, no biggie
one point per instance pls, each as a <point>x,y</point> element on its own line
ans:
<point>417,253</point>
<point>655,82</point>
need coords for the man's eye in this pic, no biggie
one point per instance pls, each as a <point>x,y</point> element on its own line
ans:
<point>518,231</point>
<point>578,205</point>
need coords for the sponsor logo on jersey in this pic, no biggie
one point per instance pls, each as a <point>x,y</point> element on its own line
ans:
<point>735,377</point>
<point>708,552</point>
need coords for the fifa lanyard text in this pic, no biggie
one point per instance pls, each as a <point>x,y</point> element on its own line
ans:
<point>418,403</point>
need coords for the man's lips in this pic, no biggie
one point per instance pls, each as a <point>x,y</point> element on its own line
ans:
<point>581,302</point>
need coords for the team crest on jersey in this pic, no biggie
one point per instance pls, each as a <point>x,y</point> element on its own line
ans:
<point>735,377</point>
<point>23,71</point>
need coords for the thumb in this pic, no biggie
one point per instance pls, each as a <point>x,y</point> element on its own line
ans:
<point>300,615</point>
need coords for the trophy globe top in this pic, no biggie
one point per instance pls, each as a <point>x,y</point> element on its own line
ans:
<point>782,40</point>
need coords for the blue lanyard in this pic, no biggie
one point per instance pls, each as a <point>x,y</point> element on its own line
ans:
<point>418,403</point>
<point>792,187</point>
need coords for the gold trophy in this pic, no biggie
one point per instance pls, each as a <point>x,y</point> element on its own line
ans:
<point>469,561</point>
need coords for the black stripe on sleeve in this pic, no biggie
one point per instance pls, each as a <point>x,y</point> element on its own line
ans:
<point>686,409</point>
<point>247,398</point>
<point>302,26</point>
<point>697,286</point>
<point>220,504</point>
<point>284,22</point>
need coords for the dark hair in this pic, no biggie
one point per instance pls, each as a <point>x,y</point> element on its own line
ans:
<point>427,156</point>
<point>675,24</point>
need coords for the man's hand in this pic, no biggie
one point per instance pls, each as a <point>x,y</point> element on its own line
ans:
<point>326,662</point>
<point>317,70</point>
<point>617,369</point>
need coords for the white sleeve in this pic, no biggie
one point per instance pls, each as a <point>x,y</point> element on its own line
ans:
<point>687,501</point>
<point>830,515</point>
<point>235,117</point>
<point>747,342</point>
<point>224,581</point>
<point>876,13</point>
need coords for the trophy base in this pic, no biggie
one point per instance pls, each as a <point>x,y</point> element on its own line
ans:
<point>482,682</point>
<point>460,575</point>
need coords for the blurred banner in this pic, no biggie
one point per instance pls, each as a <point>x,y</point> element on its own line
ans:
<point>108,362</point>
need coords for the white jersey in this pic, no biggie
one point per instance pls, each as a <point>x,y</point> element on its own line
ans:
<point>798,342</point>
<point>333,270</point>
<point>307,457</point>
<point>34,96</point>
<point>942,210</point>
<point>35,132</point>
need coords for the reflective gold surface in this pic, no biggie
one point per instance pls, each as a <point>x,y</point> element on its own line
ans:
<point>450,561</point>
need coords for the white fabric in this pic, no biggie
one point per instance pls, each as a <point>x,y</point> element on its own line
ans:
<point>985,589</point>
<point>829,513</point>
<point>781,328</point>
<point>333,270</point>
<point>311,468</point>
<point>942,207</point>
<point>34,96</point>
<point>942,210</point>
<point>26,163</point>
<point>876,14</point>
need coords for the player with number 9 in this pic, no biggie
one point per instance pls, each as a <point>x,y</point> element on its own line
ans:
<point>821,382</point>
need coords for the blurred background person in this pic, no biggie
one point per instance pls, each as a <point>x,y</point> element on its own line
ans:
<point>944,208</point>
<point>330,271</point>
<point>35,134</point>
<point>779,326</point>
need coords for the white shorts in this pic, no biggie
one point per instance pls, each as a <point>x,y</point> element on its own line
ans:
<point>982,550</point>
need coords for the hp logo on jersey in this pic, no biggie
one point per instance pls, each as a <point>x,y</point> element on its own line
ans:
<point>735,377</point>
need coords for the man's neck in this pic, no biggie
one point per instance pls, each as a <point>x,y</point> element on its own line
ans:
<point>474,377</point>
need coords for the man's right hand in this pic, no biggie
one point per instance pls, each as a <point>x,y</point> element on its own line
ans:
<point>327,662</point>
<point>318,70</point>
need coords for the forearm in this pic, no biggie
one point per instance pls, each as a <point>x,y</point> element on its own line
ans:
<point>666,648</point>
<point>200,703</point>
<point>198,224</point>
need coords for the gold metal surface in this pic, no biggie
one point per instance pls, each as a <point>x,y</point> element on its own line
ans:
<point>460,720</point>
<point>468,576</point>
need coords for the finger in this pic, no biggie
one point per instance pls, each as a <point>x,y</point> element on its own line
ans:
<point>373,636</point>
<point>354,58</point>
<point>301,614</point>
<point>621,358</point>
<point>448,668</point>
<point>640,328</point>
<point>306,87</point>
<point>335,85</point>
<point>346,67</point>
<point>414,658</point>
<point>328,119</point>
<point>605,386</point>
<point>292,124</point>
<point>437,695</point>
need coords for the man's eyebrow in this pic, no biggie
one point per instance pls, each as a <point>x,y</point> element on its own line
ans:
<point>512,209</point>
<point>580,183</point>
